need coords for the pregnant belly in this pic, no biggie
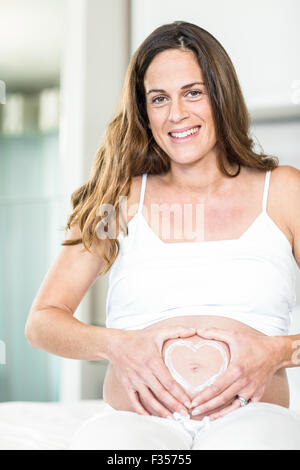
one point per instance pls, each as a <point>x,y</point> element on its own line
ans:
<point>195,363</point>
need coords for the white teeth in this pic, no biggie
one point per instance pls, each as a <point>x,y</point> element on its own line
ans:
<point>184,134</point>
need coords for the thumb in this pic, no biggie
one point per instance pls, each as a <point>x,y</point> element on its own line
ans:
<point>215,333</point>
<point>176,332</point>
<point>179,332</point>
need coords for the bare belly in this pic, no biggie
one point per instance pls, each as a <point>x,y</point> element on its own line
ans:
<point>194,369</point>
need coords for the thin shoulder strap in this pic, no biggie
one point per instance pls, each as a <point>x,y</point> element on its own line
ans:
<point>266,191</point>
<point>142,193</point>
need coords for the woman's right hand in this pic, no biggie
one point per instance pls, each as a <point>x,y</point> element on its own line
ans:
<point>136,356</point>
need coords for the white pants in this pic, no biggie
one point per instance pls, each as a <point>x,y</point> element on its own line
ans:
<point>256,426</point>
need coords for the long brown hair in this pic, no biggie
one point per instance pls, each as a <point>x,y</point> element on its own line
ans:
<point>129,148</point>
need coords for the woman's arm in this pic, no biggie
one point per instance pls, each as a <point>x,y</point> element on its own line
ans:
<point>56,331</point>
<point>51,325</point>
<point>135,355</point>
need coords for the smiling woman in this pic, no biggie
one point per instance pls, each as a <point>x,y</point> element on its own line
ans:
<point>195,329</point>
<point>188,103</point>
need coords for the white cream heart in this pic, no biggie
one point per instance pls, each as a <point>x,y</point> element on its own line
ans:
<point>195,348</point>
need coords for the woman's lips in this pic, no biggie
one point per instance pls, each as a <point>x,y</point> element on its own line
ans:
<point>178,140</point>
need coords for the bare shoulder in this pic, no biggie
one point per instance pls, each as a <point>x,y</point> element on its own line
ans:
<point>286,172</point>
<point>286,180</point>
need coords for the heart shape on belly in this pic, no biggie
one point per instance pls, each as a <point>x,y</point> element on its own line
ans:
<point>192,369</point>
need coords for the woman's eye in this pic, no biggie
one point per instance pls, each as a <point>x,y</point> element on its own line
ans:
<point>158,100</point>
<point>195,93</point>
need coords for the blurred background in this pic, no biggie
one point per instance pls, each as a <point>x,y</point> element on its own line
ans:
<point>62,66</point>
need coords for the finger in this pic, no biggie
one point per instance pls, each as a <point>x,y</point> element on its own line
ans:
<point>169,392</point>
<point>178,395</point>
<point>215,333</point>
<point>221,399</point>
<point>230,376</point>
<point>164,334</point>
<point>257,395</point>
<point>134,398</point>
<point>224,411</point>
<point>150,401</point>
<point>236,403</point>
<point>252,392</point>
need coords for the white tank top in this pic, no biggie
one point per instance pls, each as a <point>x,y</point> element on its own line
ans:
<point>250,279</point>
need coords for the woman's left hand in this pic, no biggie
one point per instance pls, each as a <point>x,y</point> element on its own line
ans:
<point>254,359</point>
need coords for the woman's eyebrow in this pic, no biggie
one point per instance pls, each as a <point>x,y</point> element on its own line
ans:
<point>182,88</point>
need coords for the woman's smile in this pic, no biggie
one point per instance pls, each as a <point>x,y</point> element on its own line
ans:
<point>184,136</point>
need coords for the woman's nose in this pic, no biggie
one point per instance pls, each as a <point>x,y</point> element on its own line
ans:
<point>177,111</point>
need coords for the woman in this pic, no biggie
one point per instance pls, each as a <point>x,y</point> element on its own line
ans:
<point>197,322</point>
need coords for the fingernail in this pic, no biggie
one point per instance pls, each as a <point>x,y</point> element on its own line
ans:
<point>194,403</point>
<point>184,413</point>
<point>188,404</point>
<point>196,412</point>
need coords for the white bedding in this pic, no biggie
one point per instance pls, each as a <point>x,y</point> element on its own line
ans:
<point>42,426</point>
<point>45,426</point>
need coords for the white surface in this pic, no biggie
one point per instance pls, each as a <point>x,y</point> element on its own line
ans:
<point>42,426</point>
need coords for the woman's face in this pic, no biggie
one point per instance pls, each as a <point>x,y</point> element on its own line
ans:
<point>177,101</point>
